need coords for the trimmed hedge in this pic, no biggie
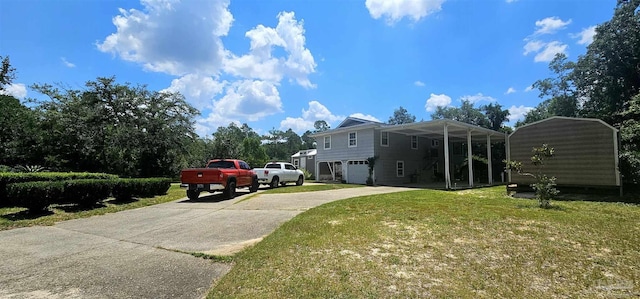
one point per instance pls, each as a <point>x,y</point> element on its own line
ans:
<point>21,177</point>
<point>35,196</point>
<point>38,195</point>
<point>125,189</point>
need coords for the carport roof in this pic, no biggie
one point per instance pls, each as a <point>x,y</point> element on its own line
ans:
<point>435,129</point>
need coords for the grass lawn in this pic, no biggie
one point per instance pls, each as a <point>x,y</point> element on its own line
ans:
<point>427,243</point>
<point>17,217</point>
<point>310,188</point>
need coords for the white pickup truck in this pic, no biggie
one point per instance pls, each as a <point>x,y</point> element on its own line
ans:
<point>275,173</point>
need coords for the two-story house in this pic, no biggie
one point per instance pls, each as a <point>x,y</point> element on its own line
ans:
<point>427,153</point>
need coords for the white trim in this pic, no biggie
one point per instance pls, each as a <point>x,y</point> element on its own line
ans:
<point>355,139</point>
<point>447,175</point>
<point>411,138</point>
<point>489,164</point>
<point>382,144</point>
<point>398,168</point>
<point>470,158</point>
<point>325,142</point>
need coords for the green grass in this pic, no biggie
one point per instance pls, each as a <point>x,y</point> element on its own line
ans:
<point>426,243</point>
<point>310,188</point>
<point>18,217</point>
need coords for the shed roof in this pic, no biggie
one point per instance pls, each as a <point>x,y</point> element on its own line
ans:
<point>309,152</point>
<point>566,118</point>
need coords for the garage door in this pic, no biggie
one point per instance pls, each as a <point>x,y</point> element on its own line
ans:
<point>357,172</point>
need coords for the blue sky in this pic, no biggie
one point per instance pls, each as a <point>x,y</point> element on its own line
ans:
<point>285,64</point>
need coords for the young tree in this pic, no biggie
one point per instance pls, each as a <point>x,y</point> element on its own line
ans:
<point>401,116</point>
<point>544,185</point>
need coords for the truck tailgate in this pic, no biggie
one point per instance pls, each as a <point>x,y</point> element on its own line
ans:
<point>200,176</point>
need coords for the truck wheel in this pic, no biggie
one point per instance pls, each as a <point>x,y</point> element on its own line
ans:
<point>230,192</point>
<point>300,181</point>
<point>274,182</point>
<point>254,185</point>
<point>193,194</point>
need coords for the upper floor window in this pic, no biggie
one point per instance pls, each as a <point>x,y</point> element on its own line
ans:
<point>327,142</point>
<point>384,138</point>
<point>414,142</point>
<point>353,139</point>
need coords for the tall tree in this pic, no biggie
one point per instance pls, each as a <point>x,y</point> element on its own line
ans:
<point>321,126</point>
<point>7,73</point>
<point>496,116</point>
<point>308,142</point>
<point>401,116</point>
<point>607,74</point>
<point>466,113</point>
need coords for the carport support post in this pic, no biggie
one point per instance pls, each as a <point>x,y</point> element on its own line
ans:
<point>469,158</point>
<point>447,177</point>
<point>489,166</point>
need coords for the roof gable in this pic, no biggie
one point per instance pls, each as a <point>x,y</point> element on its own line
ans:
<point>354,121</point>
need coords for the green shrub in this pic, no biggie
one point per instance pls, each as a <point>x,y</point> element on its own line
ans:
<point>126,189</point>
<point>35,196</point>
<point>86,192</point>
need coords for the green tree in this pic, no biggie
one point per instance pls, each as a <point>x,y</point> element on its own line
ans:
<point>308,142</point>
<point>630,142</point>
<point>401,116</point>
<point>544,185</point>
<point>116,128</point>
<point>607,74</point>
<point>19,133</point>
<point>496,116</point>
<point>321,126</point>
<point>466,113</point>
<point>7,72</point>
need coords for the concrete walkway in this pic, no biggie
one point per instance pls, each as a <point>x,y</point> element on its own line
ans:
<point>141,253</point>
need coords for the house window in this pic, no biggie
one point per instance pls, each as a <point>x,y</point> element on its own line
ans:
<point>435,142</point>
<point>384,138</point>
<point>353,139</point>
<point>400,169</point>
<point>327,142</point>
<point>414,142</point>
<point>295,162</point>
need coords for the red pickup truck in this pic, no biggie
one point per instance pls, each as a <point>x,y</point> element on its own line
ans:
<point>219,175</point>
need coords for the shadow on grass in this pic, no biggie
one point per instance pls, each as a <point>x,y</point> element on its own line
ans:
<point>123,201</point>
<point>72,208</point>
<point>27,215</point>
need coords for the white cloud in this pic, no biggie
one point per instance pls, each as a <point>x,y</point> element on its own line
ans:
<point>529,88</point>
<point>533,46</point>
<point>249,99</point>
<point>394,10</point>
<point>419,83</point>
<point>517,113</point>
<point>436,100</point>
<point>171,36</point>
<point>550,25</point>
<point>550,50</point>
<point>260,63</point>
<point>365,116</point>
<point>17,90</point>
<point>586,35</point>
<point>316,111</point>
<point>67,63</point>
<point>477,98</point>
<point>510,90</point>
<point>200,90</point>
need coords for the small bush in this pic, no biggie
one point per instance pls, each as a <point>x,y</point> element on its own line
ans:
<point>35,196</point>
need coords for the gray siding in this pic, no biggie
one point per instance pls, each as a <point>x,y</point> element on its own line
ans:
<point>584,151</point>
<point>340,151</point>
<point>399,149</point>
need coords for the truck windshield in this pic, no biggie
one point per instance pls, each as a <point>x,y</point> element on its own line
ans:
<point>274,165</point>
<point>221,164</point>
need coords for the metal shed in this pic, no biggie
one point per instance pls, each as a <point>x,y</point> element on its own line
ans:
<point>586,151</point>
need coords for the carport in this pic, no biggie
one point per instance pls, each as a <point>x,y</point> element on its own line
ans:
<point>448,131</point>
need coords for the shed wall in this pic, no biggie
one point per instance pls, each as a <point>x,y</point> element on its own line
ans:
<point>584,151</point>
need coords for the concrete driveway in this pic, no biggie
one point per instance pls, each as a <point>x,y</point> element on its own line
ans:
<point>142,253</point>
